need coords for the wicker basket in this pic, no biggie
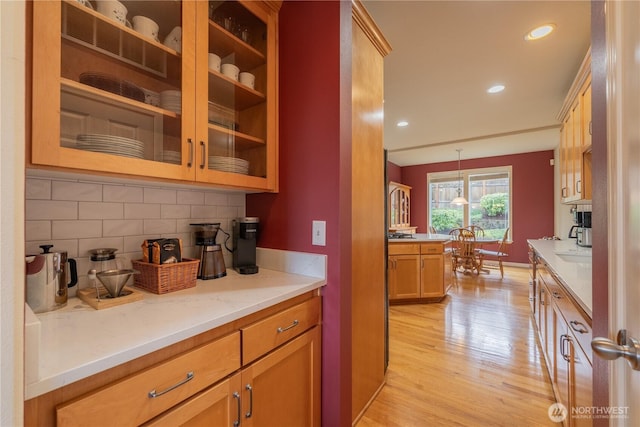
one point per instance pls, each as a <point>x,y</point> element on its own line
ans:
<point>164,278</point>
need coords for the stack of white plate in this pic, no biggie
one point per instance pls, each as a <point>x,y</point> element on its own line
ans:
<point>229,164</point>
<point>171,100</point>
<point>111,144</point>
<point>169,156</point>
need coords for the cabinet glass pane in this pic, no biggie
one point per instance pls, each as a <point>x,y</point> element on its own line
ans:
<point>121,78</point>
<point>237,90</point>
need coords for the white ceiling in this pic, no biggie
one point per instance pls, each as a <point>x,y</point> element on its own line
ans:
<point>445,54</point>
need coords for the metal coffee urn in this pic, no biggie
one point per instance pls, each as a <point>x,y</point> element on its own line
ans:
<point>245,236</point>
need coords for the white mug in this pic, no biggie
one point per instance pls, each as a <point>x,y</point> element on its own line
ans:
<point>113,9</point>
<point>145,26</point>
<point>174,39</point>
<point>230,70</point>
<point>214,62</point>
<point>248,79</point>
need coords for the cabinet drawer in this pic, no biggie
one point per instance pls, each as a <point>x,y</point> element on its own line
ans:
<point>403,249</point>
<point>128,402</point>
<point>431,248</point>
<point>265,335</point>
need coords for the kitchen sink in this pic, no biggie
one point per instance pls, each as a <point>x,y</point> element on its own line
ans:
<point>575,256</point>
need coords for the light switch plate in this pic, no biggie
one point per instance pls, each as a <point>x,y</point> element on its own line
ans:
<point>319,233</point>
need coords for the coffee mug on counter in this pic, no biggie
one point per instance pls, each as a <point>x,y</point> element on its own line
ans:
<point>113,9</point>
<point>248,79</point>
<point>145,26</point>
<point>230,71</point>
<point>214,62</point>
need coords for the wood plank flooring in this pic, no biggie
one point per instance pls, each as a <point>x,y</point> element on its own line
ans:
<point>471,360</point>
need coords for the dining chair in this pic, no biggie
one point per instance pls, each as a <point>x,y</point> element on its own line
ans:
<point>477,230</point>
<point>499,254</point>
<point>432,230</point>
<point>463,253</point>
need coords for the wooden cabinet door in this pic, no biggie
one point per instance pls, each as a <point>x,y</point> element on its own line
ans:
<point>561,357</point>
<point>580,376</point>
<point>432,276</point>
<point>283,388</point>
<point>404,276</point>
<point>585,103</point>
<point>219,405</point>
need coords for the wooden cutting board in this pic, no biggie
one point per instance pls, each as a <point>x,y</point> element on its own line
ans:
<point>89,295</point>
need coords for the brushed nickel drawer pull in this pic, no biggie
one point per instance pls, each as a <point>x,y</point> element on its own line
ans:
<point>204,154</point>
<point>153,393</point>
<point>190,161</point>
<point>581,329</point>
<point>250,390</point>
<point>236,395</point>
<point>294,324</point>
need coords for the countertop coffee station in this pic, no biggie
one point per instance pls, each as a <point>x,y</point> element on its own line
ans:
<point>69,341</point>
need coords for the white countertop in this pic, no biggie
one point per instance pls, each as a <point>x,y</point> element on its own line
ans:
<point>575,274</point>
<point>422,238</point>
<point>78,341</point>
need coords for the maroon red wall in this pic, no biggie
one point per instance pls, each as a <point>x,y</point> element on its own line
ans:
<point>394,172</point>
<point>315,173</point>
<point>532,192</point>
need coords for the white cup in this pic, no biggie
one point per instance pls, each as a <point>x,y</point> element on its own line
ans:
<point>145,26</point>
<point>174,39</point>
<point>113,9</point>
<point>214,62</point>
<point>248,79</point>
<point>230,71</point>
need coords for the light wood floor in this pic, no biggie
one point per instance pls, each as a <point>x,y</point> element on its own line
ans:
<point>471,360</point>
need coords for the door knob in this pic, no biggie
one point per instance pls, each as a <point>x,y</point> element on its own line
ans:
<point>627,347</point>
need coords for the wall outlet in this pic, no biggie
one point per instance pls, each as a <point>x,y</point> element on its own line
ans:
<point>319,233</point>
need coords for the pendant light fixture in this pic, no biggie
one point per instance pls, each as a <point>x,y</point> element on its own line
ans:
<point>460,200</point>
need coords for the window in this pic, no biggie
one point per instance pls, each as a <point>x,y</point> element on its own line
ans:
<point>488,192</point>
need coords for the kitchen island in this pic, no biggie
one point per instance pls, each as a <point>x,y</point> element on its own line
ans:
<point>81,349</point>
<point>419,268</point>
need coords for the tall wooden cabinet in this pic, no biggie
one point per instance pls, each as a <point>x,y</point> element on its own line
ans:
<point>109,99</point>
<point>575,139</point>
<point>399,208</point>
<point>368,187</point>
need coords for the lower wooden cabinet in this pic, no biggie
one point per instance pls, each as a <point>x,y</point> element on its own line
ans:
<point>262,370</point>
<point>565,335</point>
<point>419,272</point>
<point>280,389</point>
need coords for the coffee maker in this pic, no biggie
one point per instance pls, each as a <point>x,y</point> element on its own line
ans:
<point>211,258</point>
<point>582,230</point>
<point>245,236</point>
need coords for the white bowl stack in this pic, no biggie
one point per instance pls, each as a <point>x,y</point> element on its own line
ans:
<point>170,156</point>
<point>171,100</point>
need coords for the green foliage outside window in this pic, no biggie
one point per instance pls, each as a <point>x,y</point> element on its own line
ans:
<point>494,204</point>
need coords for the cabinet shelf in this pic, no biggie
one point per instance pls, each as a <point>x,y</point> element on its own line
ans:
<point>96,94</point>
<point>230,93</point>
<point>220,135</point>
<point>225,44</point>
<point>93,30</point>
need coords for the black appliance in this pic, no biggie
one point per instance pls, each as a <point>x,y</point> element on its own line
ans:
<point>245,237</point>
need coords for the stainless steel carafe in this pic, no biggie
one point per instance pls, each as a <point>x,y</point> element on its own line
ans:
<point>49,275</point>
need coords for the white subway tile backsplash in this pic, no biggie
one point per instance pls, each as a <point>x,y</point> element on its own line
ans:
<point>191,197</point>
<point>68,190</point>
<point>100,210</point>
<point>159,226</point>
<point>217,199</point>
<point>76,216</point>
<point>37,189</point>
<point>122,227</point>
<point>204,212</point>
<point>38,230</point>
<point>50,209</point>
<point>141,210</point>
<point>158,195</point>
<point>76,229</point>
<point>122,193</point>
<point>175,211</point>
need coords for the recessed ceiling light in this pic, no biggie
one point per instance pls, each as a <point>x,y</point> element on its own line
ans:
<point>495,89</point>
<point>540,32</point>
<point>402,123</point>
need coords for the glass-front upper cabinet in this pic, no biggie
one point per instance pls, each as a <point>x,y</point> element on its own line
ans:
<point>238,68</point>
<point>125,87</point>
